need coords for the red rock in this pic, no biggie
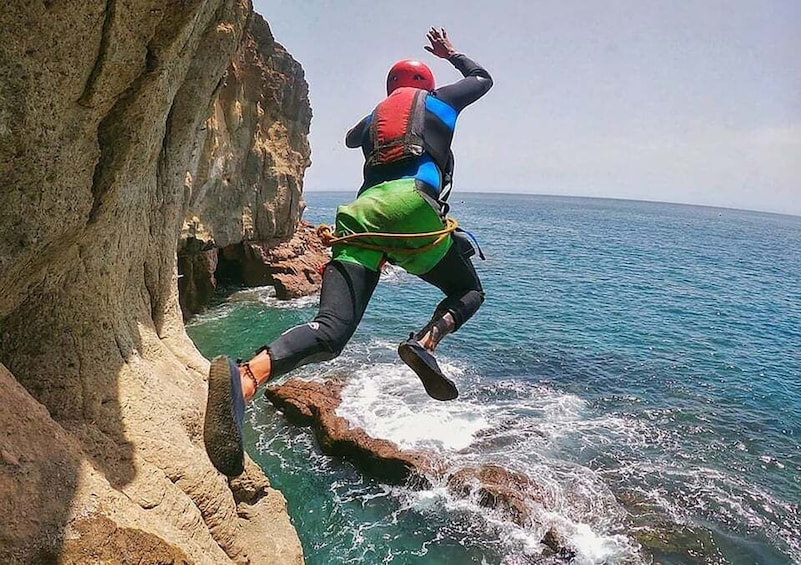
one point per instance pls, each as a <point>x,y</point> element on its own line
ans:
<point>496,487</point>
<point>312,403</point>
<point>292,267</point>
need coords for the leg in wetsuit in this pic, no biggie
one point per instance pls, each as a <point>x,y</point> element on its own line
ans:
<point>457,278</point>
<point>346,292</point>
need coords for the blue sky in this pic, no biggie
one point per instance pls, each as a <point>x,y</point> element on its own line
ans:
<point>685,101</point>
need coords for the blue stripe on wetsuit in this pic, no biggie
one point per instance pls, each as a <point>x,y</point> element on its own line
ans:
<point>441,110</point>
<point>425,169</point>
<point>428,172</point>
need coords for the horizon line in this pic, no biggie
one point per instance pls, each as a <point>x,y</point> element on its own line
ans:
<point>619,198</point>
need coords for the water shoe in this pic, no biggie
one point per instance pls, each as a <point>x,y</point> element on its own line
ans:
<point>225,410</point>
<point>437,385</point>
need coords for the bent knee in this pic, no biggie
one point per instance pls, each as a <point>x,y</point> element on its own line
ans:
<point>334,339</point>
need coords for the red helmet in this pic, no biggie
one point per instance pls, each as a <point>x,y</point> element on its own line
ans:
<point>410,73</point>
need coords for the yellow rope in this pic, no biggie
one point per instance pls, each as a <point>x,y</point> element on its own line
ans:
<point>326,234</point>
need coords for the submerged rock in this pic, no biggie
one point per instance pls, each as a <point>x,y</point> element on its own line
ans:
<point>495,487</point>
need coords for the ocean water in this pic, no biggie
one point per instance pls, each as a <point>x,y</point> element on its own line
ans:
<point>640,361</point>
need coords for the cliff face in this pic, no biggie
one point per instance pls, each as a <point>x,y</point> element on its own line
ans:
<point>245,179</point>
<point>103,106</point>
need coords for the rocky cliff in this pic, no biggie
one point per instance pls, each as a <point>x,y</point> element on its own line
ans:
<point>244,182</point>
<point>104,123</point>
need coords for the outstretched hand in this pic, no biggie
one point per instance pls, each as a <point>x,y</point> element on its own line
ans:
<point>440,44</point>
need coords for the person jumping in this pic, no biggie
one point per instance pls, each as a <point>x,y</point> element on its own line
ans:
<point>406,142</point>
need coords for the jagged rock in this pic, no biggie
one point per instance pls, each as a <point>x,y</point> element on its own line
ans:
<point>554,541</point>
<point>8,458</point>
<point>245,180</point>
<point>103,114</point>
<point>292,267</point>
<point>100,540</point>
<point>303,401</point>
<point>314,404</point>
<point>495,487</point>
<point>55,506</point>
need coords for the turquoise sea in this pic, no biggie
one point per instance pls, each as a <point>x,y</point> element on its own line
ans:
<point>641,361</point>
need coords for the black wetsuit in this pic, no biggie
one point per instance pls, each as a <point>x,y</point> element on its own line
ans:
<point>347,287</point>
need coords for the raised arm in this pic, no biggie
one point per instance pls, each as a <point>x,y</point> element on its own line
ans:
<point>476,82</point>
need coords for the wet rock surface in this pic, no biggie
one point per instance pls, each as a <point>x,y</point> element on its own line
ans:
<point>495,487</point>
<point>513,495</point>
<point>314,404</point>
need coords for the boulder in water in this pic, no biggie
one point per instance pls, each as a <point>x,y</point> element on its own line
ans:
<point>514,495</point>
<point>308,403</point>
<point>493,486</point>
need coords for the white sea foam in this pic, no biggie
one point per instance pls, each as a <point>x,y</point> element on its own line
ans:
<point>592,548</point>
<point>722,495</point>
<point>256,295</point>
<point>522,429</point>
<point>266,295</point>
<point>535,429</point>
<point>392,274</point>
<point>252,294</point>
<point>388,401</point>
<point>588,542</point>
<point>219,313</point>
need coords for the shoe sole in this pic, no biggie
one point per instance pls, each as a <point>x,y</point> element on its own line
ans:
<point>438,387</point>
<point>221,435</point>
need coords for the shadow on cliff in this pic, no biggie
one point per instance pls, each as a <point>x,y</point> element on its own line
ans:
<point>104,127</point>
<point>43,451</point>
<point>88,271</point>
<point>42,467</point>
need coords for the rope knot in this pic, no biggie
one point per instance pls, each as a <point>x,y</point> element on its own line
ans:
<point>326,235</point>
